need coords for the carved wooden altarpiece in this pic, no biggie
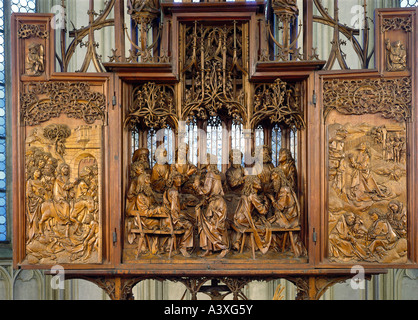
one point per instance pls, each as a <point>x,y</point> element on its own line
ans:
<point>92,191</point>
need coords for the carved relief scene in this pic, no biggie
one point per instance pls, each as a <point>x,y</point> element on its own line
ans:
<point>63,161</point>
<point>185,211</point>
<point>367,190</point>
<point>62,194</point>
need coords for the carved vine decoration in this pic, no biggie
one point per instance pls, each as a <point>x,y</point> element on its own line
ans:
<point>213,68</point>
<point>280,102</point>
<point>392,98</point>
<point>45,100</point>
<point>27,31</point>
<point>152,105</point>
<point>397,23</point>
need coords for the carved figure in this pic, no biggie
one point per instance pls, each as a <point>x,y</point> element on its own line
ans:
<point>251,214</point>
<point>35,196</point>
<point>285,203</point>
<point>288,166</point>
<point>142,155</point>
<point>178,219</point>
<point>337,162</point>
<point>381,234</point>
<point>59,208</point>
<point>35,60</point>
<point>137,170</point>
<point>343,243</point>
<point>147,207</point>
<point>363,185</point>
<point>212,223</point>
<point>235,174</point>
<point>185,168</point>
<point>160,171</point>
<point>397,218</point>
<point>264,166</point>
<point>395,56</point>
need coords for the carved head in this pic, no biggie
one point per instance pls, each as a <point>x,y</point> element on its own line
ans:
<point>350,218</point>
<point>395,206</point>
<point>251,185</point>
<point>141,155</point>
<point>64,169</point>
<point>175,179</point>
<point>285,156</point>
<point>137,169</point>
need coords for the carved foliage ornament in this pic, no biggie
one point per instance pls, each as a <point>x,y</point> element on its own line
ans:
<point>392,98</point>
<point>152,105</point>
<point>280,102</point>
<point>212,70</point>
<point>27,31</point>
<point>45,100</point>
<point>397,23</point>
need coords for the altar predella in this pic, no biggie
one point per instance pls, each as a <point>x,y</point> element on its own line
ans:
<point>213,141</point>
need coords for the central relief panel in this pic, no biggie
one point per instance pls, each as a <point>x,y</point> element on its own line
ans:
<point>213,159</point>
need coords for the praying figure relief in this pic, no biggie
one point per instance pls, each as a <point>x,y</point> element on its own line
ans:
<point>395,56</point>
<point>367,193</point>
<point>195,212</point>
<point>35,60</point>
<point>62,198</point>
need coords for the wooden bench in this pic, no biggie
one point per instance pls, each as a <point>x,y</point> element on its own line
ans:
<point>157,232</point>
<point>288,232</point>
<point>143,233</point>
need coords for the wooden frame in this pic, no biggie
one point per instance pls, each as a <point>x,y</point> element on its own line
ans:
<point>115,86</point>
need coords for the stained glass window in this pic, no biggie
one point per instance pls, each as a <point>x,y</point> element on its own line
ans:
<point>214,139</point>
<point>191,139</point>
<point>276,144</point>
<point>409,3</point>
<point>6,8</point>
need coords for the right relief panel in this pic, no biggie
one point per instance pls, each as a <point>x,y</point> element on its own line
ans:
<point>367,169</point>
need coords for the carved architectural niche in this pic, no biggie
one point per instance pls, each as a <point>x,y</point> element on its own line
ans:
<point>35,37</point>
<point>280,102</point>
<point>395,41</point>
<point>215,66</point>
<point>367,169</point>
<point>152,106</point>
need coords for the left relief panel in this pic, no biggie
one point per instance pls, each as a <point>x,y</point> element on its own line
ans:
<point>59,122</point>
<point>63,160</point>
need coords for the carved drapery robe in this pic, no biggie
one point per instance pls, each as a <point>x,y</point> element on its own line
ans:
<point>250,214</point>
<point>212,224</point>
<point>35,193</point>
<point>343,244</point>
<point>171,200</point>
<point>159,176</point>
<point>286,209</point>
